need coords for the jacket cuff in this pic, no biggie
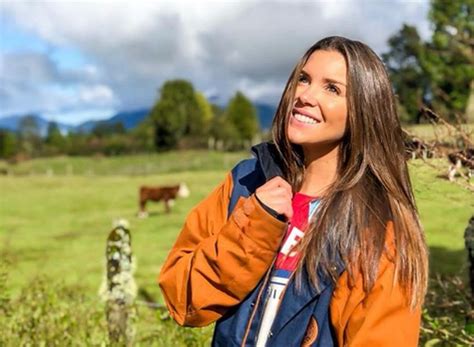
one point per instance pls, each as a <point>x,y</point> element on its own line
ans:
<point>271,211</point>
<point>258,224</point>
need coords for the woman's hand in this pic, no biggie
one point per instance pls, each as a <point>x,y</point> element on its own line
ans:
<point>277,195</point>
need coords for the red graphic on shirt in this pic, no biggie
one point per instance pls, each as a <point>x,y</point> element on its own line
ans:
<point>287,258</point>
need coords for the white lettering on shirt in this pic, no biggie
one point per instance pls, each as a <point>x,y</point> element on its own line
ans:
<point>292,240</point>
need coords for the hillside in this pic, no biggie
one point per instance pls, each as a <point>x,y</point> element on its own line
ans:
<point>130,119</point>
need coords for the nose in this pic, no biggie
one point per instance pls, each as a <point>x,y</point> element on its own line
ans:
<point>308,96</point>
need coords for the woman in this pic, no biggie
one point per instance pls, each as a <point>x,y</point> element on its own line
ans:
<point>316,241</point>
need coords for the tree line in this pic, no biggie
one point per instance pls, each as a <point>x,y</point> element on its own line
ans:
<point>184,117</point>
<point>181,118</point>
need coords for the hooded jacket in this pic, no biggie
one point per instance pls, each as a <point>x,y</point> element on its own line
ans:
<point>225,251</point>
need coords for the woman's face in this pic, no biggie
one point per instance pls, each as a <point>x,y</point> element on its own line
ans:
<point>319,114</point>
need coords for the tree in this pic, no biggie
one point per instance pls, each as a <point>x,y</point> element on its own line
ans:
<point>224,131</point>
<point>143,135</point>
<point>77,144</point>
<point>242,114</point>
<point>103,129</point>
<point>405,66</point>
<point>451,58</point>
<point>439,72</point>
<point>176,114</point>
<point>54,138</point>
<point>7,144</point>
<point>470,105</point>
<point>29,135</point>
<point>168,128</point>
<point>206,111</point>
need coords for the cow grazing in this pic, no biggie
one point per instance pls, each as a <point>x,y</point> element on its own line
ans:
<point>464,158</point>
<point>416,147</point>
<point>167,194</point>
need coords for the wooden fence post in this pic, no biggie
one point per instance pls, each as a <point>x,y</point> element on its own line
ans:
<point>119,288</point>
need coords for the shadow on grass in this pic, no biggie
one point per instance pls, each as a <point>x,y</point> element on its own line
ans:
<point>448,262</point>
<point>156,213</point>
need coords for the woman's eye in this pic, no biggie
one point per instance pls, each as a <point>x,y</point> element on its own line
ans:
<point>303,79</point>
<point>333,89</point>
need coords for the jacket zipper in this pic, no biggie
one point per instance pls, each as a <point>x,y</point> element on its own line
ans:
<point>282,296</point>
<point>252,315</point>
<point>264,287</point>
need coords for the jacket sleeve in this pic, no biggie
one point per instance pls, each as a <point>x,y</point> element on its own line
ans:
<point>216,261</point>
<point>380,318</point>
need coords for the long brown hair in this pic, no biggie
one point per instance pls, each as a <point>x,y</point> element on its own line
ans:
<point>372,188</point>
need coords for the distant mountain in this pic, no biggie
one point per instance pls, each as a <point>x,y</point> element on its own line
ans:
<point>129,119</point>
<point>12,123</point>
<point>265,115</point>
<point>87,126</point>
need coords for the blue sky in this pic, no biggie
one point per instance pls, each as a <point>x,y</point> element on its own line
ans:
<point>72,61</point>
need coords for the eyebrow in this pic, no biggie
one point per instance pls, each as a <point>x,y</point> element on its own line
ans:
<point>326,79</point>
<point>334,81</point>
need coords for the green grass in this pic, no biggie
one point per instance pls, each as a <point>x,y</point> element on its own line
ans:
<point>429,132</point>
<point>445,208</point>
<point>128,165</point>
<point>55,227</point>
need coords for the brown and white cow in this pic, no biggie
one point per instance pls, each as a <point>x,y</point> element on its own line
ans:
<point>167,194</point>
<point>416,148</point>
<point>464,158</point>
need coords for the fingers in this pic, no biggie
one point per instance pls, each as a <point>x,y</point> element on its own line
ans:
<point>282,206</point>
<point>280,192</point>
<point>278,181</point>
<point>288,213</point>
<point>277,194</point>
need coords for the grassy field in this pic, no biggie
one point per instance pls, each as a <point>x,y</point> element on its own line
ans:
<point>430,132</point>
<point>128,165</point>
<point>53,229</point>
<point>445,208</point>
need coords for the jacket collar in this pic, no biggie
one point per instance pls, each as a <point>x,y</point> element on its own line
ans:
<point>268,158</point>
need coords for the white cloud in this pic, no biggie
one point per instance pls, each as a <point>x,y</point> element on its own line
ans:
<point>76,117</point>
<point>97,95</point>
<point>221,46</point>
<point>32,82</point>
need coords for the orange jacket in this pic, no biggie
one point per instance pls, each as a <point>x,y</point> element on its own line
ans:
<point>216,262</point>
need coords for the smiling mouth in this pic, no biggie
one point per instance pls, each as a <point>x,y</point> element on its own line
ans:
<point>303,118</point>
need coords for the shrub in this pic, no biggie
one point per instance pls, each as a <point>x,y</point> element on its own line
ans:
<point>51,314</point>
<point>446,306</point>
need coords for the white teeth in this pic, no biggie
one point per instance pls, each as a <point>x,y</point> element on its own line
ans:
<point>304,119</point>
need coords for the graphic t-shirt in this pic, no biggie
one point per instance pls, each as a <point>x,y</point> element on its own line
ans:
<point>286,262</point>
